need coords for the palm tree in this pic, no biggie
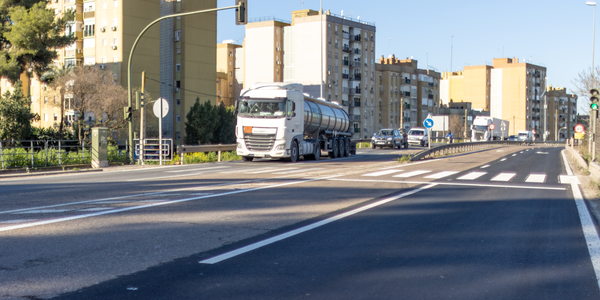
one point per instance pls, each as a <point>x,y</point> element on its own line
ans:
<point>58,77</point>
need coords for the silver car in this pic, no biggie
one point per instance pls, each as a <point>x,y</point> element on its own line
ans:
<point>418,136</point>
<point>389,137</point>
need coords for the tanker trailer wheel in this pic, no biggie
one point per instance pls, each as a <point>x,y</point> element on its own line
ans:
<point>346,147</point>
<point>317,154</point>
<point>294,152</point>
<point>340,147</point>
<point>247,158</point>
<point>334,149</point>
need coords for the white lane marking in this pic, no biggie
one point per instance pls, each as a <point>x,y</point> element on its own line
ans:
<point>129,196</point>
<point>272,170</point>
<point>483,167</point>
<point>589,229</point>
<point>536,178</point>
<point>472,176</point>
<point>499,150</point>
<point>441,174</point>
<point>514,155</point>
<point>163,177</point>
<point>44,211</point>
<point>527,150</point>
<point>17,221</point>
<point>111,202</point>
<point>96,209</point>
<point>196,169</point>
<point>106,212</point>
<point>297,171</point>
<point>503,159</point>
<point>504,177</point>
<point>521,152</point>
<point>541,152</point>
<point>454,183</point>
<point>380,173</point>
<point>568,179</point>
<point>254,246</point>
<point>411,174</point>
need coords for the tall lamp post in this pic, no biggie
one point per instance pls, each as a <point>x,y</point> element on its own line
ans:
<point>593,113</point>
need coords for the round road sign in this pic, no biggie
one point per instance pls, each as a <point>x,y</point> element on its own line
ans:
<point>579,128</point>
<point>492,126</point>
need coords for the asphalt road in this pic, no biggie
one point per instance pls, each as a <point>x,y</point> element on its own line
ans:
<point>497,224</point>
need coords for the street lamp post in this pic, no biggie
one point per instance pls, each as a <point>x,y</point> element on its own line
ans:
<point>592,146</point>
<point>129,101</point>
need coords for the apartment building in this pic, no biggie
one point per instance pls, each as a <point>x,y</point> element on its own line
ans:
<point>228,87</point>
<point>178,55</point>
<point>471,85</point>
<point>406,94</point>
<point>333,56</point>
<point>562,113</point>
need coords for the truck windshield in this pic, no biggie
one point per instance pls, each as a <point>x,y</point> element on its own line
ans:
<point>262,108</point>
<point>480,127</point>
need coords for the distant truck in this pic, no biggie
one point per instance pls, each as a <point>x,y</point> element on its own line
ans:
<point>276,120</point>
<point>526,135</point>
<point>481,131</point>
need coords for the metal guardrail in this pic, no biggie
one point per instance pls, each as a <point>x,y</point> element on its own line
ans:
<point>474,146</point>
<point>182,149</point>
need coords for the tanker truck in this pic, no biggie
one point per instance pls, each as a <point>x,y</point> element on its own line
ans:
<point>481,130</point>
<point>277,120</point>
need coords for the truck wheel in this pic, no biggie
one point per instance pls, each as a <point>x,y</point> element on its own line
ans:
<point>294,152</point>
<point>422,143</point>
<point>340,147</point>
<point>317,154</point>
<point>335,149</point>
<point>346,147</point>
<point>247,158</point>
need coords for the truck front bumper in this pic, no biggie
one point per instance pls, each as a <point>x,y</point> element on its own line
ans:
<point>279,150</point>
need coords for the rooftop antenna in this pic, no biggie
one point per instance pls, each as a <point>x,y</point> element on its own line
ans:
<point>302,4</point>
<point>342,12</point>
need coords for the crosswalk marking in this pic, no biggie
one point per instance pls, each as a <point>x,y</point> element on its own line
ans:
<point>380,173</point>
<point>441,174</point>
<point>536,178</point>
<point>504,177</point>
<point>410,174</point>
<point>483,167</point>
<point>568,179</point>
<point>472,176</point>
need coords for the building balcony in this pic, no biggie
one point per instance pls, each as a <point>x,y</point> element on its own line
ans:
<point>89,14</point>
<point>345,62</point>
<point>345,76</point>
<point>357,130</point>
<point>346,49</point>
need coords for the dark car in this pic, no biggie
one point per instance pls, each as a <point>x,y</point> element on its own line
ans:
<point>513,138</point>
<point>392,138</point>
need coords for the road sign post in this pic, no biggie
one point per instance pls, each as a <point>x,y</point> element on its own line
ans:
<point>161,109</point>
<point>428,123</point>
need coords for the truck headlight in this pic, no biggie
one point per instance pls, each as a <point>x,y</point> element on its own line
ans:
<point>280,147</point>
<point>239,146</point>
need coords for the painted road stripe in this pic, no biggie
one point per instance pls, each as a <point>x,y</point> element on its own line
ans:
<point>514,155</point>
<point>483,167</point>
<point>230,254</point>
<point>164,177</point>
<point>588,226</point>
<point>472,176</point>
<point>454,183</point>
<point>504,177</point>
<point>503,159</point>
<point>197,169</point>
<point>411,174</point>
<point>568,179</point>
<point>272,170</point>
<point>380,173</point>
<point>17,221</point>
<point>441,174</point>
<point>44,211</point>
<point>536,178</point>
<point>297,171</point>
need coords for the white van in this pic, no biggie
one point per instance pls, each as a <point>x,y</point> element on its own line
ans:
<point>526,136</point>
<point>418,136</point>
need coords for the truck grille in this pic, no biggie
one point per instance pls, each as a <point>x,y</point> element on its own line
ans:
<point>259,142</point>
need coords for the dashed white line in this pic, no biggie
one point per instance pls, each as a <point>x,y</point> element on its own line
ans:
<point>441,174</point>
<point>410,174</point>
<point>380,173</point>
<point>536,178</point>
<point>472,176</point>
<point>483,167</point>
<point>503,159</point>
<point>504,177</point>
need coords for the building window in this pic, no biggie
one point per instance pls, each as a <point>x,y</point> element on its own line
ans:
<point>177,135</point>
<point>89,30</point>
<point>45,117</point>
<point>55,99</point>
<point>45,99</point>
<point>178,119</point>
<point>104,42</point>
<point>55,117</point>
<point>178,67</point>
<point>178,101</point>
<point>116,3</point>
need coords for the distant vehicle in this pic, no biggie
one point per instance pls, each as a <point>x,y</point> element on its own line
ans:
<point>480,130</point>
<point>392,138</point>
<point>418,136</point>
<point>513,138</point>
<point>526,136</point>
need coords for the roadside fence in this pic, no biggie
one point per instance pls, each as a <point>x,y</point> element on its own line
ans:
<point>476,146</point>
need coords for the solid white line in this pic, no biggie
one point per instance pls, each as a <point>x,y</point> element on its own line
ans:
<point>17,221</point>
<point>536,178</point>
<point>197,169</point>
<point>411,174</point>
<point>472,176</point>
<point>230,254</point>
<point>64,219</point>
<point>44,211</point>
<point>483,167</point>
<point>380,173</point>
<point>297,171</point>
<point>441,174</point>
<point>455,183</point>
<point>589,229</point>
<point>504,177</point>
<point>271,170</point>
<point>173,176</point>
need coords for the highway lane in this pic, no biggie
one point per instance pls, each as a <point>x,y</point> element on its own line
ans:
<point>205,221</point>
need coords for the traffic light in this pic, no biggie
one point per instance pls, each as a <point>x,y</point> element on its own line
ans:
<point>241,13</point>
<point>127,112</point>
<point>594,99</point>
<point>138,100</point>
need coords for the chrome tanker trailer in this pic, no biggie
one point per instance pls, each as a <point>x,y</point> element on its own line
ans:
<point>276,120</point>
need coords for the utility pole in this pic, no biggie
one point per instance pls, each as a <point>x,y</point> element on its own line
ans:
<point>465,124</point>
<point>556,125</point>
<point>402,114</point>
<point>142,118</point>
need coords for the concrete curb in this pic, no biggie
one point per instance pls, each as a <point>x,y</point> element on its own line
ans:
<point>16,175</point>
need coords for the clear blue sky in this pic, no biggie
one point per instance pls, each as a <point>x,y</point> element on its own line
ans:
<point>553,33</point>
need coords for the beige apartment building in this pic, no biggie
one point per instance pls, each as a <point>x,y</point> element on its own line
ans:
<point>471,85</point>
<point>406,94</point>
<point>228,87</point>
<point>178,55</point>
<point>333,56</point>
<point>562,113</point>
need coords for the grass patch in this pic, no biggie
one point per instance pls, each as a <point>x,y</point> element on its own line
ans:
<point>404,158</point>
<point>199,157</point>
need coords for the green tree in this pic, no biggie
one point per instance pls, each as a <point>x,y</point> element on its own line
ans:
<point>225,129</point>
<point>201,122</point>
<point>30,33</point>
<point>15,115</point>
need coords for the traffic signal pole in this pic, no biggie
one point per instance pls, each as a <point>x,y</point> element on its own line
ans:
<point>593,115</point>
<point>241,19</point>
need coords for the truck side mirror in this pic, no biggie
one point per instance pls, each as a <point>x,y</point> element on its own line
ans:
<point>294,107</point>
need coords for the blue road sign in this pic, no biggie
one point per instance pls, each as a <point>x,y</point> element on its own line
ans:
<point>428,123</point>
